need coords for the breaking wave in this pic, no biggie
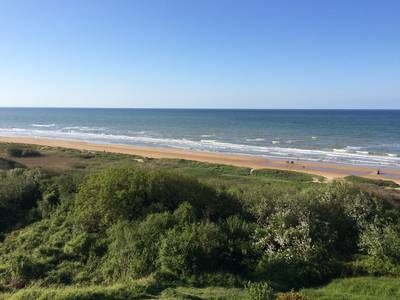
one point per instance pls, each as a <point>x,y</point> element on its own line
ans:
<point>352,155</point>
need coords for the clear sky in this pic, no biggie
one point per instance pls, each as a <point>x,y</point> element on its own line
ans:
<point>200,53</point>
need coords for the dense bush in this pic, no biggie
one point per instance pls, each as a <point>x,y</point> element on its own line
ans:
<point>305,236</point>
<point>130,193</point>
<point>19,193</point>
<point>292,296</point>
<point>7,164</point>
<point>16,151</point>
<point>260,291</point>
<point>134,248</point>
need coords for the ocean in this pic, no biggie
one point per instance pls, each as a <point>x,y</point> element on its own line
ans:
<point>357,137</point>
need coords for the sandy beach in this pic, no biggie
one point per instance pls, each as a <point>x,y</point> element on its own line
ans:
<point>330,171</point>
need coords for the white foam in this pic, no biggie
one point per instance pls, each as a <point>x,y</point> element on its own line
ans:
<point>335,155</point>
<point>340,150</point>
<point>275,142</point>
<point>83,128</point>
<point>353,148</point>
<point>43,125</point>
<point>255,140</point>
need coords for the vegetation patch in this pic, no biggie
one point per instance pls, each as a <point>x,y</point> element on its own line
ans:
<point>287,175</point>
<point>22,151</point>
<point>173,229</point>
<point>366,288</point>
<point>8,164</point>
<point>377,182</point>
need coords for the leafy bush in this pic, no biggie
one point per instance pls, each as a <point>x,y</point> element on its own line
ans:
<point>306,235</point>
<point>127,193</point>
<point>16,151</point>
<point>19,193</point>
<point>133,250</point>
<point>23,268</point>
<point>381,243</point>
<point>191,249</point>
<point>292,296</point>
<point>7,164</point>
<point>259,291</point>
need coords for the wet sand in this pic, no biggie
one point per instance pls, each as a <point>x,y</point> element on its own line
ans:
<point>328,170</point>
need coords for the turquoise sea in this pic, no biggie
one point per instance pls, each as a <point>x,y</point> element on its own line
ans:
<point>360,137</point>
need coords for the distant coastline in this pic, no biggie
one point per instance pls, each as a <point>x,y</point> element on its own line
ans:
<point>327,170</point>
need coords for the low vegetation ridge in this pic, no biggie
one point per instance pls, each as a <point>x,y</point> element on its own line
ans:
<point>96,225</point>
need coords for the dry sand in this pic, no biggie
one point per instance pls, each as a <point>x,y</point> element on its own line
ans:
<point>330,171</point>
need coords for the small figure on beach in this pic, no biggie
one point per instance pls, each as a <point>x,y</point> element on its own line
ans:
<point>378,172</point>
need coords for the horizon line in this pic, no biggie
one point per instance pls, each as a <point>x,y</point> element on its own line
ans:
<point>185,108</point>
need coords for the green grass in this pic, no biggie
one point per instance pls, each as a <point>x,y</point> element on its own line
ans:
<point>360,288</point>
<point>115,292</point>
<point>125,292</point>
<point>203,293</point>
<point>378,182</point>
<point>287,175</point>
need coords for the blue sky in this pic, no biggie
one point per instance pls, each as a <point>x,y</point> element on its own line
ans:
<point>204,53</point>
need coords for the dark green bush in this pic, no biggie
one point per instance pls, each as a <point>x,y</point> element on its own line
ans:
<point>133,251</point>
<point>128,193</point>
<point>7,164</point>
<point>16,151</point>
<point>191,249</point>
<point>292,296</point>
<point>259,291</point>
<point>19,192</point>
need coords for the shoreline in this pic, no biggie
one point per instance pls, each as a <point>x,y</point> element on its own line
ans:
<point>328,170</point>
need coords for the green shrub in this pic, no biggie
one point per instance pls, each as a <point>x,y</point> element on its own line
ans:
<point>134,248</point>
<point>7,164</point>
<point>259,291</point>
<point>292,296</point>
<point>23,268</point>
<point>19,193</point>
<point>16,151</point>
<point>127,193</point>
<point>191,249</point>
